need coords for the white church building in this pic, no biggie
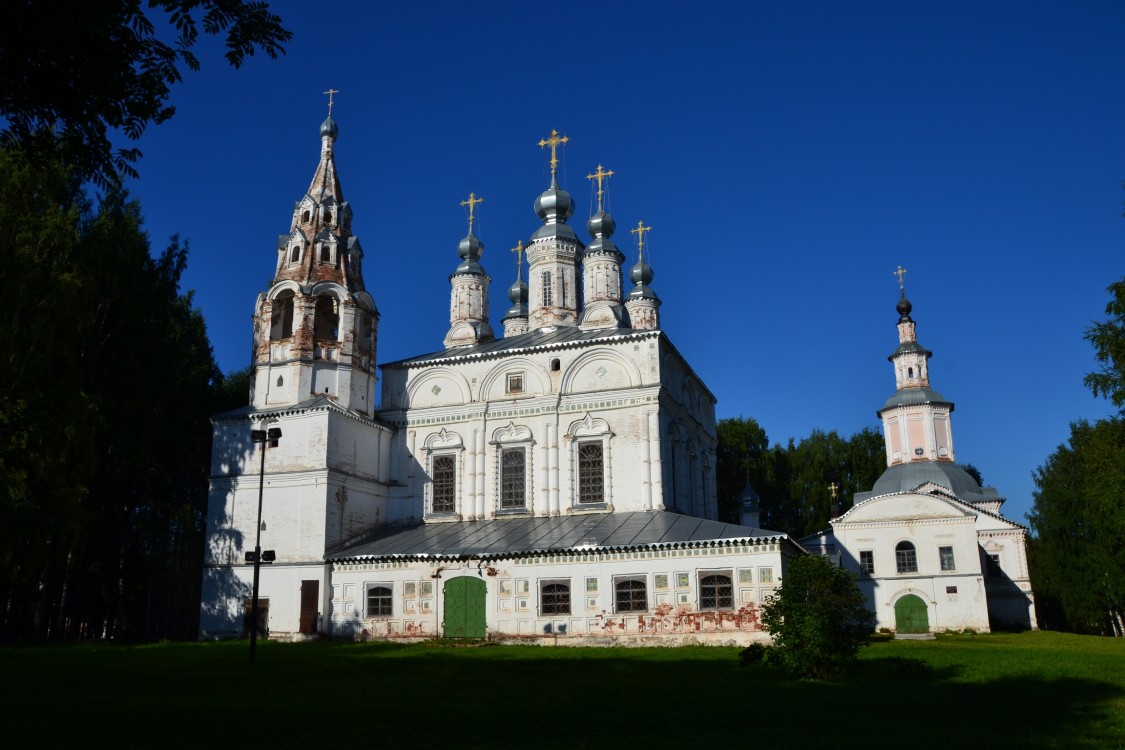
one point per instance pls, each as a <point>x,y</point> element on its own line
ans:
<point>557,482</point>
<point>928,545</point>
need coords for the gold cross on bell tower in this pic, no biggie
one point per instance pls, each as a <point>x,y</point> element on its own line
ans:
<point>554,142</point>
<point>600,175</point>
<point>472,203</point>
<point>900,273</point>
<point>331,93</point>
<point>640,232</point>
<point>518,250</point>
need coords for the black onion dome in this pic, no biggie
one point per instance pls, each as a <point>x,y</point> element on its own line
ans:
<point>641,273</point>
<point>904,307</point>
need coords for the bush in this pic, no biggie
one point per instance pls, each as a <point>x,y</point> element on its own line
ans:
<point>818,619</point>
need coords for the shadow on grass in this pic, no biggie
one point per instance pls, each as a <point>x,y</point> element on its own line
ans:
<point>513,697</point>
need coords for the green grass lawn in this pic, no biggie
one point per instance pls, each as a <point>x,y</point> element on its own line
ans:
<point>1033,690</point>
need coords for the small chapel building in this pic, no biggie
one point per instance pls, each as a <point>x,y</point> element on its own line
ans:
<point>928,544</point>
<point>556,482</point>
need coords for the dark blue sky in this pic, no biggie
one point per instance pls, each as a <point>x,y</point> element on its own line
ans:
<point>788,155</point>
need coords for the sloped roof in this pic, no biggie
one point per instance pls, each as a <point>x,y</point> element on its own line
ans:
<point>507,537</point>
<point>542,337</point>
<point>910,476</point>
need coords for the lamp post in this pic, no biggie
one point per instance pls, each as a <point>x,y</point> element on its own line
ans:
<point>263,438</point>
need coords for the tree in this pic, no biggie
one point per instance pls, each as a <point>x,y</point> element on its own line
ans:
<point>70,75</point>
<point>104,439</point>
<point>1078,555</point>
<point>1108,339</point>
<point>818,618</point>
<point>795,481</point>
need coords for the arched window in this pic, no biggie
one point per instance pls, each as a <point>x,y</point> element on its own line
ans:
<point>305,217</point>
<point>295,254</point>
<point>554,599</point>
<point>631,595</point>
<point>547,297</point>
<point>555,365</point>
<point>716,592</point>
<point>906,558</point>
<point>327,320</point>
<point>281,322</point>
<point>325,253</point>
<point>328,216</point>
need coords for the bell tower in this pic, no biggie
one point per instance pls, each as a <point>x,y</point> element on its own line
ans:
<point>916,419</point>
<point>315,327</point>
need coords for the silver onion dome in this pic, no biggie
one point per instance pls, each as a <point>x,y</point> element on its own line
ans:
<point>517,293</point>
<point>641,275</point>
<point>470,248</point>
<point>601,227</point>
<point>328,128</point>
<point>554,204</point>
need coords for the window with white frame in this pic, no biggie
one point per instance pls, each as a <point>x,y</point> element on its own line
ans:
<point>443,478</point>
<point>716,591</point>
<point>630,595</point>
<point>547,295</point>
<point>906,558</point>
<point>379,600</point>
<point>945,554</point>
<point>591,473</point>
<point>513,478</point>
<point>867,562</point>
<point>514,383</point>
<point>554,597</point>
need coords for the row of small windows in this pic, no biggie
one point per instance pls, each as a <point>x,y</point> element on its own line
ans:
<point>306,216</point>
<point>906,560</point>
<point>326,253</point>
<point>630,594</point>
<point>513,478</point>
<point>326,320</point>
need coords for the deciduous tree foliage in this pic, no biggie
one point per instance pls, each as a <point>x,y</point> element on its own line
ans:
<point>1108,338</point>
<point>71,75</point>
<point>795,481</point>
<point>1078,517</point>
<point>104,438</point>
<point>818,618</point>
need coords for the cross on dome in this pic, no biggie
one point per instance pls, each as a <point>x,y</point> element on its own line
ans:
<point>472,202</point>
<point>600,175</point>
<point>640,232</point>
<point>554,141</point>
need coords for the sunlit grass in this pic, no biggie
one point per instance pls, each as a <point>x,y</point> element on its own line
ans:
<point>1034,690</point>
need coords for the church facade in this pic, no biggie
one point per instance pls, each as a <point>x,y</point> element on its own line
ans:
<point>928,544</point>
<point>554,482</point>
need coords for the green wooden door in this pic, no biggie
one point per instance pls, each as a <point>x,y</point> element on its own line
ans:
<point>464,608</point>
<point>911,615</point>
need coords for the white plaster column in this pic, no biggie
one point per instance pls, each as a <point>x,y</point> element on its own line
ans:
<point>656,466</point>
<point>646,472</point>
<point>482,456</point>
<point>543,481</point>
<point>553,468</point>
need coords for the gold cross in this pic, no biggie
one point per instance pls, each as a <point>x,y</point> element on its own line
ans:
<point>518,250</point>
<point>833,488</point>
<point>554,142</point>
<point>472,203</point>
<point>600,175</point>
<point>330,92</point>
<point>900,273</point>
<point>640,232</point>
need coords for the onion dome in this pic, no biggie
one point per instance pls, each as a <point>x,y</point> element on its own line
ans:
<point>328,128</point>
<point>601,227</point>
<point>554,206</point>
<point>904,307</point>
<point>470,249</point>
<point>517,293</point>
<point>641,275</point>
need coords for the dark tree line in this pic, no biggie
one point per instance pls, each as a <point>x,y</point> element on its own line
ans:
<point>108,372</point>
<point>796,481</point>
<point>1078,553</point>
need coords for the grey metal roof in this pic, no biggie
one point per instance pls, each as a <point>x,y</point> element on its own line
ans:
<point>507,537</point>
<point>910,476</point>
<point>538,338</point>
<point>908,396</point>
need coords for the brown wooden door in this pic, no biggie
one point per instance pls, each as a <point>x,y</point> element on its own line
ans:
<point>310,605</point>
